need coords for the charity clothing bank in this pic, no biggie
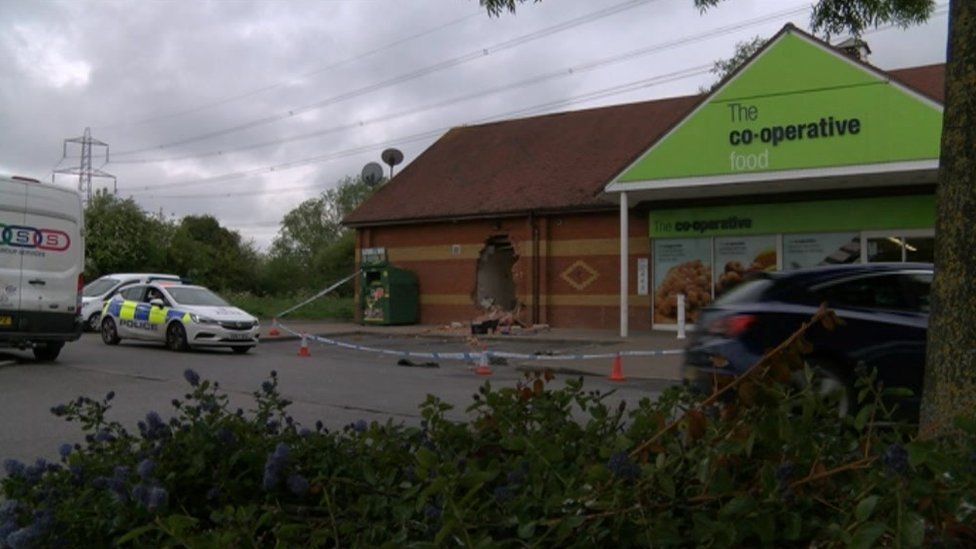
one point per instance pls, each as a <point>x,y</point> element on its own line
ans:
<point>600,218</point>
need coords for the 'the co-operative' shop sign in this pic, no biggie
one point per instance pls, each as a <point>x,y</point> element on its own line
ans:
<point>796,106</point>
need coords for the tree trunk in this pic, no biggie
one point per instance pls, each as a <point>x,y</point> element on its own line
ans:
<point>950,373</point>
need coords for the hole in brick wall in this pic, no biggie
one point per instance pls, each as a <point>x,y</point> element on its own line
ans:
<point>495,284</point>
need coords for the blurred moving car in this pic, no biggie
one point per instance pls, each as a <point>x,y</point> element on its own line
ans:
<point>95,294</point>
<point>885,309</point>
<point>181,316</point>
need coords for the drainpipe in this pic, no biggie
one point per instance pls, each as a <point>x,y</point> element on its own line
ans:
<point>536,267</point>
<point>624,262</point>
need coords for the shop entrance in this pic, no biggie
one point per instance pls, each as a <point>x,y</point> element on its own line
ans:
<point>495,284</point>
<point>898,246</point>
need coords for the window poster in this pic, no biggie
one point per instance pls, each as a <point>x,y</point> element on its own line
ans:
<point>736,258</point>
<point>810,250</point>
<point>681,266</point>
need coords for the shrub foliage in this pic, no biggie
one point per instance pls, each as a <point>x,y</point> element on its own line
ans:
<point>758,462</point>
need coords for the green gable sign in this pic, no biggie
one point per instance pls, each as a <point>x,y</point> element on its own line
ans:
<point>797,106</point>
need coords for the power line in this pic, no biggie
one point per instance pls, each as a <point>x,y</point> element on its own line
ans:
<point>263,89</point>
<point>430,69</point>
<point>561,73</point>
<point>623,88</point>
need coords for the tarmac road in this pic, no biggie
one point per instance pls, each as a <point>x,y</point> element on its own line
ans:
<point>335,385</point>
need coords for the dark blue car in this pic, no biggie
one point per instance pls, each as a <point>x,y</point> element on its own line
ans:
<point>885,309</point>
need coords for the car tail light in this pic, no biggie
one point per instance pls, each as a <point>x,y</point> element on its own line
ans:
<point>732,326</point>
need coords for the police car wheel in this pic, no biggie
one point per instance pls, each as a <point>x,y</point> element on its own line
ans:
<point>176,337</point>
<point>242,350</point>
<point>110,335</point>
<point>92,325</point>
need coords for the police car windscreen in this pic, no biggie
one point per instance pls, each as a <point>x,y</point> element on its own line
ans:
<point>99,287</point>
<point>196,296</point>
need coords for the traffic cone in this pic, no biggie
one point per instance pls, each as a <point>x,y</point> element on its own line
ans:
<point>483,368</point>
<point>274,328</point>
<point>617,372</point>
<point>303,350</point>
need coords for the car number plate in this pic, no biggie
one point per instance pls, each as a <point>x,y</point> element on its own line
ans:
<point>239,336</point>
<point>6,321</point>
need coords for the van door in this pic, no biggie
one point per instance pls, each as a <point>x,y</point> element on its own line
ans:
<point>13,201</point>
<point>53,262</point>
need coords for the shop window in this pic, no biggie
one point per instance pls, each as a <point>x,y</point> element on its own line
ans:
<point>885,249</point>
<point>920,248</point>
<point>681,266</point>
<point>740,258</point>
<point>809,250</point>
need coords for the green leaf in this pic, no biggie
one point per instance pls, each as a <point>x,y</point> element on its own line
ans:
<point>135,533</point>
<point>425,458</point>
<point>918,452</point>
<point>867,534</point>
<point>525,531</point>
<point>913,530</point>
<point>739,505</point>
<point>865,507</point>
<point>863,416</point>
<point>967,424</point>
<point>898,392</point>
<point>177,524</point>
<point>667,485</point>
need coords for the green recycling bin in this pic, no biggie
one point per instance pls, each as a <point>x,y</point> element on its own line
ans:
<point>388,295</point>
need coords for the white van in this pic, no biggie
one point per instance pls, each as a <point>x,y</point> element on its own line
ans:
<point>97,292</point>
<point>42,256</point>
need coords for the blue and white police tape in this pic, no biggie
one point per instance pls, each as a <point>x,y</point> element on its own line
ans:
<point>474,355</point>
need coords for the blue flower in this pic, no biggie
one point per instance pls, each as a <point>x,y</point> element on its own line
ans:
<point>7,527</point>
<point>121,472</point>
<point>297,484</point>
<point>503,494</point>
<point>154,427</point>
<point>318,425</point>
<point>110,395</point>
<point>145,468</point>
<point>8,509</point>
<point>360,425</point>
<point>103,436</point>
<point>281,451</point>
<point>213,493</point>
<point>191,377</point>
<point>304,432</point>
<point>273,467</point>
<point>65,450</point>
<point>13,467</point>
<point>140,494</point>
<point>432,511</point>
<point>622,467</point>
<point>22,538</point>
<point>158,497</point>
<point>59,410</point>
<point>272,426</point>
<point>895,459</point>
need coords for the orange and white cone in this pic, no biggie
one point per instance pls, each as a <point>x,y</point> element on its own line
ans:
<point>617,372</point>
<point>483,368</point>
<point>274,328</point>
<point>303,350</point>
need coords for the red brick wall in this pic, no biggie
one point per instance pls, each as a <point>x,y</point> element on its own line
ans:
<point>578,266</point>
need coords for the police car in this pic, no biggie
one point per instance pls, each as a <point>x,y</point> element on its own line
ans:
<point>182,316</point>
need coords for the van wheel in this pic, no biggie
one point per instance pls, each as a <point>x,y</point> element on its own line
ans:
<point>92,325</point>
<point>176,337</point>
<point>110,335</point>
<point>49,351</point>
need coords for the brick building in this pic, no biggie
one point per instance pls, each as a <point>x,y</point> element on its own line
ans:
<point>525,214</point>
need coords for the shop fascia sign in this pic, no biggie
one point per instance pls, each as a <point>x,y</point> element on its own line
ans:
<point>797,107</point>
<point>879,213</point>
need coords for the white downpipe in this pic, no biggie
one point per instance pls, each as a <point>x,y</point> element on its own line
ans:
<point>624,262</point>
<point>681,316</point>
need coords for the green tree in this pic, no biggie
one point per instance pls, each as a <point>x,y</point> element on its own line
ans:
<point>312,245</point>
<point>121,237</point>
<point>950,373</point>
<point>743,51</point>
<point>212,255</point>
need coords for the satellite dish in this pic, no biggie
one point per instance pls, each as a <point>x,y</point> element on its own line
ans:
<point>372,173</point>
<point>392,157</point>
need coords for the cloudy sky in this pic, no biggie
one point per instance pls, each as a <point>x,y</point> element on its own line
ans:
<point>244,109</point>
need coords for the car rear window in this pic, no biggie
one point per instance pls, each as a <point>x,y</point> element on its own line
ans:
<point>746,292</point>
<point>99,287</point>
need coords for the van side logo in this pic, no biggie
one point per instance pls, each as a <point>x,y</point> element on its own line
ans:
<point>22,236</point>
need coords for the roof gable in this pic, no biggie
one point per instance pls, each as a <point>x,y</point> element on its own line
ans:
<point>797,105</point>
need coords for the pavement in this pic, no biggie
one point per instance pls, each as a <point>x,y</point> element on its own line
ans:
<point>548,340</point>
